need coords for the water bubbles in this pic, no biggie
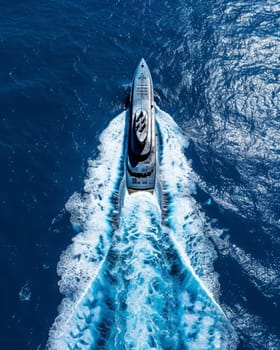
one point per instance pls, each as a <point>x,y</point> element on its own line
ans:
<point>25,292</point>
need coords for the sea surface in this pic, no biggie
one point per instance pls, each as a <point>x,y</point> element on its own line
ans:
<point>202,272</point>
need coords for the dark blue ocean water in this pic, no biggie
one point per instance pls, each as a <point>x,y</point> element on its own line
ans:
<point>65,70</point>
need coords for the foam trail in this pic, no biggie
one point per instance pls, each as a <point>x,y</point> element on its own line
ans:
<point>146,284</point>
<point>188,223</point>
<point>91,214</point>
<point>189,234</point>
<point>166,305</point>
